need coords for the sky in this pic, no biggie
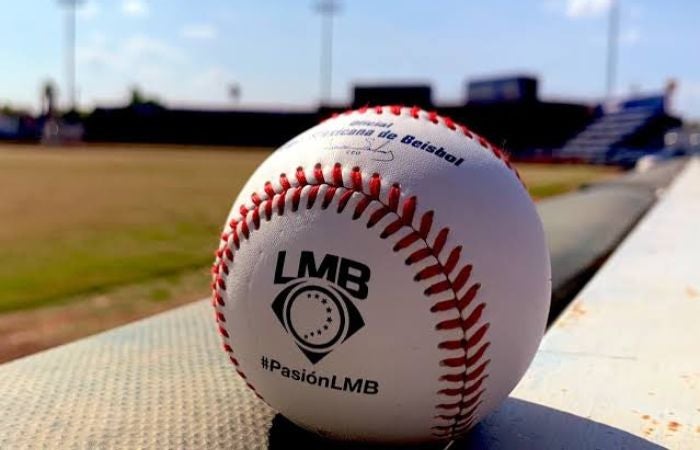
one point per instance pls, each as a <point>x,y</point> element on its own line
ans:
<point>188,53</point>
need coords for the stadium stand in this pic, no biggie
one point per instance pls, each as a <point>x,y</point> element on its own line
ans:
<point>622,133</point>
<point>18,127</point>
<point>420,95</point>
<point>516,89</point>
<point>505,110</point>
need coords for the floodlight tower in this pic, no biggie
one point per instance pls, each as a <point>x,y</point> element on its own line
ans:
<point>71,7</point>
<point>327,9</point>
<point>613,35</point>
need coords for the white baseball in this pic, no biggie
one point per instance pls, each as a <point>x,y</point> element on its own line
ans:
<point>383,277</point>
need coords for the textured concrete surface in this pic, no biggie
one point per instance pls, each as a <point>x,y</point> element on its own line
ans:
<point>620,352</point>
<point>162,382</point>
<point>620,367</point>
<point>583,227</point>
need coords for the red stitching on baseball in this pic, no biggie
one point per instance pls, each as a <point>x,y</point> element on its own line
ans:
<point>318,173</point>
<point>296,198</point>
<point>453,259</point>
<point>438,288</point>
<point>377,216</point>
<point>344,199</point>
<point>280,204</point>
<point>472,367</point>
<point>409,209</point>
<point>269,190</point>
<point>467,132</point>
<point>440,240</point>
<point>356,177</point>
<point>375,185</point>
<point>407,241</point>
<point>426,222</point>
<point>461,416</point>
<point>392,228</point>
<point>337,175</point>
<point>284,182</point>
<point>462,404</point>
<point>313,193</point>
<point>462,361</point>
<point>360,207</point>
<point>394,195</point>
<point>464,391</point>
<point>463,421</point>
<point>418,255</point>
<point>428,272</point>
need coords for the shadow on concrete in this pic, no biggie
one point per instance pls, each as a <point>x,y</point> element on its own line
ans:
<point>523,425</point>
<point>517,424</point>
<point>285,435</point>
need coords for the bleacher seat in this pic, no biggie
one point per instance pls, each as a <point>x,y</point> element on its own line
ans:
<point>610,131</point>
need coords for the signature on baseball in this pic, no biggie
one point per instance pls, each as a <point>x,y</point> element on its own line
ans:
<point>370,147</point>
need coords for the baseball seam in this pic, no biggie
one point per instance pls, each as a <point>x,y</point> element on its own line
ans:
<point>337,187</point>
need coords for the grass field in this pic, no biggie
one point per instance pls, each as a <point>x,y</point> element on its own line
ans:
<point>547,180</point>
<point>127,231</point>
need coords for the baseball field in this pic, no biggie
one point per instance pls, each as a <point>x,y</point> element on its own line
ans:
<point>95,236</point>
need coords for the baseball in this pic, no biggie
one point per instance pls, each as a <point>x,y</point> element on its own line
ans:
<point>383,277</point>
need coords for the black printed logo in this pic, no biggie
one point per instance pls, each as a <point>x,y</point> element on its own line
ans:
<point>315,307</point>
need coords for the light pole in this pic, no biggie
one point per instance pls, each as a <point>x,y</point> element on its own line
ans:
<point>327,9</point>
<point>71,6</point>
<point>613,32</point>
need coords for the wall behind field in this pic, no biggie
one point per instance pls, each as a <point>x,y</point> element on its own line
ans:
<point>515,126</point>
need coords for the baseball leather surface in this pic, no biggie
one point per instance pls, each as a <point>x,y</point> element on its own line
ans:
<point>383,277</point>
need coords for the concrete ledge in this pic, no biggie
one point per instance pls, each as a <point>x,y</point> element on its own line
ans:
<point>653,180</point>
<point>584,227</point>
